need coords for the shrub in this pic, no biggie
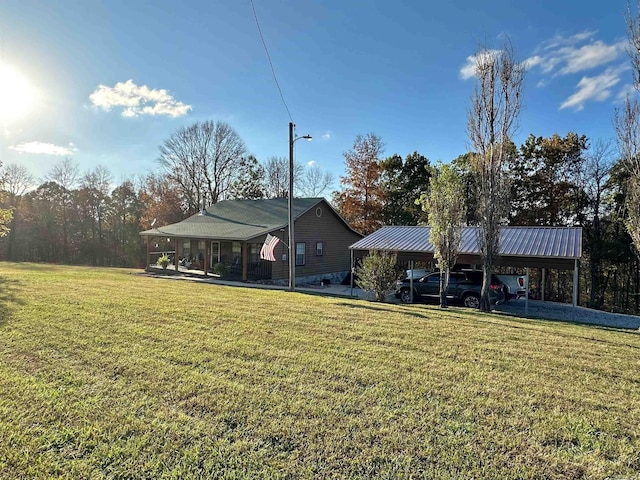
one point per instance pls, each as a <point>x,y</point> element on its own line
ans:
<point>220,269</point>
<point>164,261</point>
<point>378,274</point>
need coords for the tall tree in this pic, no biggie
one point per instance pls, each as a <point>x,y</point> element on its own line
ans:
<point>17,180</point>
<point>595,179</point>
<point>495,106</point>
<point>65,174</point>
<point>161,201</point>
<point>203,159</point>
<point>249,183</point>
<point>403,182</point>
<point>361,199</point>
<point>446,208</point>
<point>627,123</point>
<point>314,181</point>
<point>5,213</point>
<point>546,180</point>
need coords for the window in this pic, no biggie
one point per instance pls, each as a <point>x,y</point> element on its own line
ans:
<point>319,249</point>
<point>186,248</point>
<point>300,253</point>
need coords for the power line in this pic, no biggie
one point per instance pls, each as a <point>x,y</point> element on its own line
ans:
<point>270,63</point>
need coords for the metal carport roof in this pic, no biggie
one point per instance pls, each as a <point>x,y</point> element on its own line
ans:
<point>547,247</point>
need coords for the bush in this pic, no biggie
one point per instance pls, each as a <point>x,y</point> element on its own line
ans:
<point>378,274</point>
<point>220,269</point>
<point>164,261</point>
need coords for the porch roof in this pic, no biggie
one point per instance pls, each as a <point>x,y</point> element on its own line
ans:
<point>237,220</point>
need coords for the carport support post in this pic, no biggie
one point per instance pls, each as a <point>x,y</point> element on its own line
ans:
<point>544,275</point>
<point>411,281</point>
<point>526,292</point>
<point>351,272</point>
<point>575,283</point>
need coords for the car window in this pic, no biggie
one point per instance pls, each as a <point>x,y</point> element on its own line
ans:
<point>435,278</point>
<point>456,277</point>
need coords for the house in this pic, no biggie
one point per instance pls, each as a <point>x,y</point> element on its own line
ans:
<point>228,236</point>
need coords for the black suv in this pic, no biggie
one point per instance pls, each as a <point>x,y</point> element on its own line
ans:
<point>464,287</point>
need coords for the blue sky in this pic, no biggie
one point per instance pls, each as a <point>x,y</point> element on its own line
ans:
<point>105,82</point>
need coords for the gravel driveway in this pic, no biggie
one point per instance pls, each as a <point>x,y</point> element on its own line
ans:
<point>565,312</point>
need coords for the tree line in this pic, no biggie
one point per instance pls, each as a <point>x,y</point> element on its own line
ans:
<point>77,217</point>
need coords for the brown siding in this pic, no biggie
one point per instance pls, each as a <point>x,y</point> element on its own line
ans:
<point>311,228</point>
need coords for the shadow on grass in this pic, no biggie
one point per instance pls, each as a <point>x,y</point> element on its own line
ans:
<point>9,297</point>
<point>380,307</point>
<point>525,323</point>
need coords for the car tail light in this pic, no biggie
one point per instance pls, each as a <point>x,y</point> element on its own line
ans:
<point>495,287</point>
<point>521,281</point>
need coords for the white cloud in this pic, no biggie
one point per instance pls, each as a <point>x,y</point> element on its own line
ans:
<point>577,53</point>
<point>627,90</point>
<point>468,70</point>
<point>589,56</point>
<point>327,135</point>
<point>595,89</point>
<point>311,163</point>
<point>44,148</point>
<point>561,41</point>
<point>138,100</point>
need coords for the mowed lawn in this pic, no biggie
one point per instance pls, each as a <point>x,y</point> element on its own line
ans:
<point>108,373</point>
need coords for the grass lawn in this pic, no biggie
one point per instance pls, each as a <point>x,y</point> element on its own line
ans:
<point>106,373</point>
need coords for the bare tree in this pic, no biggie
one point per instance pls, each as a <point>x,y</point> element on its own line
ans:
<point>595,175</point>
<point>65,174</point>
<point>276,177</point>
<point>492,117</point>
<point>627,122</point>
<point>17,181</point>
<point>315,181</point>
<point>203,159</point>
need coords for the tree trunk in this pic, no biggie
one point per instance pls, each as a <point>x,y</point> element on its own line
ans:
<point>444,287</point>
<point>485,301</point>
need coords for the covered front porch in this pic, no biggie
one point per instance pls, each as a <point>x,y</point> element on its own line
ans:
<point>232,260</point>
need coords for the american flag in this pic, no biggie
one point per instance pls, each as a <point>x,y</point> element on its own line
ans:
<point>266,252</point>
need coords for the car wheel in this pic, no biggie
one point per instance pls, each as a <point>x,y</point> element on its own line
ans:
<point>405,295</point>
<point>471,300</point>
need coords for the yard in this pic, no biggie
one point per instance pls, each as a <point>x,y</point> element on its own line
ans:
<point>106,373</point>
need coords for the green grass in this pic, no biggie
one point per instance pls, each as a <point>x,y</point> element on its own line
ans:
<point>105,373</point>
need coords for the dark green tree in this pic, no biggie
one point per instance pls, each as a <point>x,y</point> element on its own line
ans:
<point>546,181</point>
<point>402,183</point>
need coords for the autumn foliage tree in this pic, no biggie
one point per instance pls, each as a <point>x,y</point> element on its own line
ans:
<point>361,199</point>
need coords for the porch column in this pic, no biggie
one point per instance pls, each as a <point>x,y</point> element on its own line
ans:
<point>175,255</point>
<point>575,283</point>
<point>544,276</point>
<point>148,253</point>
<point>245,266</point>
<point>206,260</point>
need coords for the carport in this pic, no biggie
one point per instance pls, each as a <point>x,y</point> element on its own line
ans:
<point>529,247</point>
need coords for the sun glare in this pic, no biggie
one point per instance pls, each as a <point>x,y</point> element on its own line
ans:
<point>16,94</point>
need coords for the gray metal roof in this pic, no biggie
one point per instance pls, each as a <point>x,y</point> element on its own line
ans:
<point>238,220</point>
<point>544,242</point>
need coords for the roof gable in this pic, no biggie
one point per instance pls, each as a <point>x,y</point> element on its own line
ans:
<point>239,219</point>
